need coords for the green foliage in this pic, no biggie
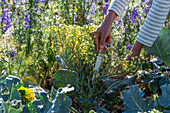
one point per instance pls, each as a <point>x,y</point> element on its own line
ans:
<point>155,79</point>
<point>161,46</point>
<point>60,61</point>
<point>164,99</point>
<point>166,111</point>
<point>133,101</point>
<point>101,110</point>
<point>116,84</point>
<point>11,101</point>
<point>26,81</point>
<point>12,83</point>
<point>8,108</point>
<point>49,35</point>
<point>60,104</point>
<point>63,77</point>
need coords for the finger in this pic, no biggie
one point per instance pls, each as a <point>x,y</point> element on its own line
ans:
<point>96,41</point>
<point>105,48</point>
<point>102,41</point>
<point>108,38</point>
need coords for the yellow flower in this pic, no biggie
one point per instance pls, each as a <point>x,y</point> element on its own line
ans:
<point>28,93</point>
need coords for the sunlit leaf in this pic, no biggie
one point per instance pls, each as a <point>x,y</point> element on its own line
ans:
<point>64,77</point>
<point>26,81</point>
<point>161,46</point>
<point>60,61</point>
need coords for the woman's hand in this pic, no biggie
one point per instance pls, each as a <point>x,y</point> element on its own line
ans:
<point>137,46</point>
<point>135,52</point>
<point>102,33</point>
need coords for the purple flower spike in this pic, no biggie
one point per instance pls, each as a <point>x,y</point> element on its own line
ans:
<point>37,1</point>
<point>128,47</point>
<point>134,15</point>
<point>12,54</point>
<point>105,8</point>
<point>26,20</point>
<point>5,19</point>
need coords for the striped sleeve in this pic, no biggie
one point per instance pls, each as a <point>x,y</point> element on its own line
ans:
<point>118,6</point>
<point>153,22</point>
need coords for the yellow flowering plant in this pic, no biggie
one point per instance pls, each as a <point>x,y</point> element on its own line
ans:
<point>75,45</point>
<point>26,94</point>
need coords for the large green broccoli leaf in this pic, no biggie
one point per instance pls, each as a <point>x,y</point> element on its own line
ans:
<point>166,111</point>
<point>12,83</point>
<point>155,79</point>
<point>63,77</point>
<point>133,102</point>
<point>63,103</point>
<point>59,104</point>
<point>161,46</point>
<point>164,99</point>
<point>10,107</point>
<point>116,84</point>
<point>28,81</point>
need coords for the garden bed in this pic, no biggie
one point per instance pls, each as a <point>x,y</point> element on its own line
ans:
<point>47,60</point>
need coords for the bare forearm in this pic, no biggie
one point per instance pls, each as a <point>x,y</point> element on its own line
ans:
<point>137,47</point>
<point>111,16</point>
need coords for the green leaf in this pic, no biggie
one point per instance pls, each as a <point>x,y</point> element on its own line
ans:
<point>154,85</point>
<point>28,108</point>
<point>8,109</point>
<point>101,110</point>
<point>13,110</point>
<point>26,81</point>
<point>1,105</point>
<point>161,46</point>
<point>53,93</point>
<point>116,84</point>
<point>43,104</point>
<point>12,80</point>
<point>164,99</point>
<point>155,79</point>
<point>163,81</point>
<point>133,101</point>
<point>4,74</point>
<point>6,106</point>
<point>12,83</point>
<point>63,102</point>
<point>25,109</point>
<point>63,77</point>
<point>60,61</point>
<point>146,77</point>
<point>166,111</point>
<point>59,104</point>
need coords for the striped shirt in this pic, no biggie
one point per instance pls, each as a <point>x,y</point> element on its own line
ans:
<point>153,22</point>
